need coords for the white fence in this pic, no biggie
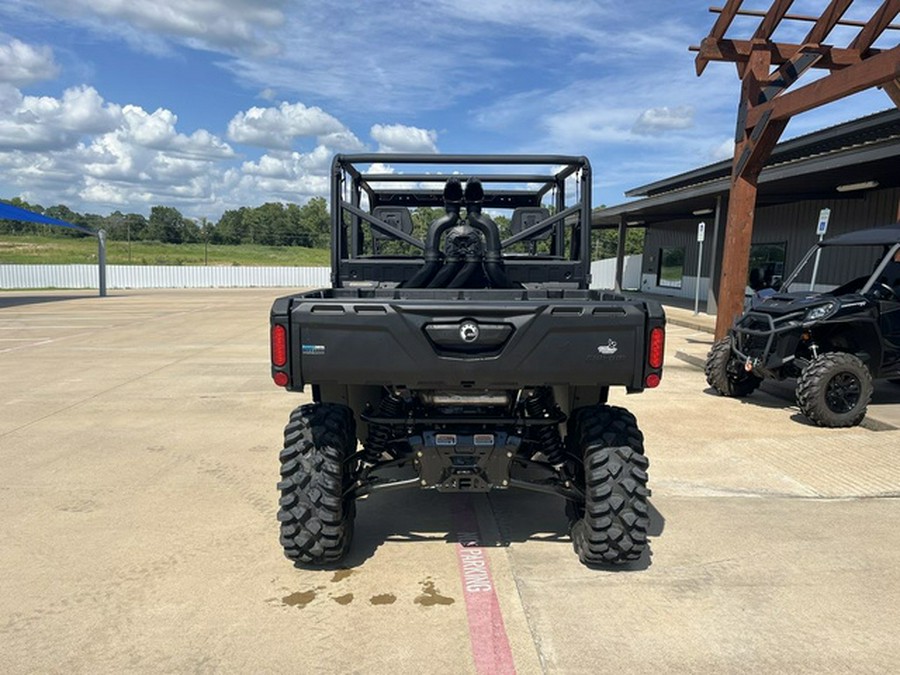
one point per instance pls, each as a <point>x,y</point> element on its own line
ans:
<point>176,276</point>
<point>603,273</point>
<point>159,276</point>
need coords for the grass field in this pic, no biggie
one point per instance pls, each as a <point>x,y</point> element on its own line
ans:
<point>39,250</point>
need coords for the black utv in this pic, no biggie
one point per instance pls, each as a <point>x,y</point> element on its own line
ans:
<point>460,348</point>
<point>835,342</point>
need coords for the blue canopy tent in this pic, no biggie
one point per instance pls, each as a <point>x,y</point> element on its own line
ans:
<point>10,212</point>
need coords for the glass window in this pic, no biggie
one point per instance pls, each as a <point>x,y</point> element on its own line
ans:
<point>766,265</point>
<point>671,267</point>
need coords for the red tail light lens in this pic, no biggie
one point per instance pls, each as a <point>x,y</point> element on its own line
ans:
<point>281,378</point>
<point>279,345</point>
<point>652,380</point>
<point>657,347</point>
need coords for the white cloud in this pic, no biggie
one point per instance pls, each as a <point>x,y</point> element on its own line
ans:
<point>228,25</point>
<point>342,141</point>
<point>273,179</point>
<point>402,138</point>
<point>148,155</point>
<point>290,165</point>
<point>724,150</point>
<point>562,19</point>
<point>280,127</point>
<point>156,131</point>
<point>22,64</point>
<point>83,151</point>
<point>655,121</point>
<point>368,58</point>
<point>46,123</point>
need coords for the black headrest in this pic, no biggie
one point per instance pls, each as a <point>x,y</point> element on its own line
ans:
<point>395,216</point>
<point>524,217</point>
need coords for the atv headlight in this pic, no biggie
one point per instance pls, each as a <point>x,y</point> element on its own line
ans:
<point>820,312</point>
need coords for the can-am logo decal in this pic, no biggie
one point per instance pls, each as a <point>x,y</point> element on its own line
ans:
<point>469,332</point>
<point>609,348</point>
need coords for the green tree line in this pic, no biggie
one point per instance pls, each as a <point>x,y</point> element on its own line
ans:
<point>271,224</point>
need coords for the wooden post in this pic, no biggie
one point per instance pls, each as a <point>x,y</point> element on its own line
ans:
<point>736,253</point>
<point>765,107</point>
<point>745,170</point>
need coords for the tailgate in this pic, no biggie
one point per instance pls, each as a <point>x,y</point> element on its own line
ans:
<point>460,344</point>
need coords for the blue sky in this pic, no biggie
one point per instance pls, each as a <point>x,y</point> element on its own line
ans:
<point>207,105</point>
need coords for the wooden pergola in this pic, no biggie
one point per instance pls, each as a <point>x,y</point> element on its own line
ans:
<point>768,70</point>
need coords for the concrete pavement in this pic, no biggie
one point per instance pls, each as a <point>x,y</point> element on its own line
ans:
<point>138,446</point>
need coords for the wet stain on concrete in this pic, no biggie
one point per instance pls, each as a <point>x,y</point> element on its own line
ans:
<point>299,599</point>
<point>432,596</point>
<point>383,599</point>
<point>345,599</point>
<point>340,575</point>
<point>79,506</point>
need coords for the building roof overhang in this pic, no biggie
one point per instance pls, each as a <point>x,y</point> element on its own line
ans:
<point>808,167</point>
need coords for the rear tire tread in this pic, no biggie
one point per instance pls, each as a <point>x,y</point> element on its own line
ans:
<point>610,528</point>
<point>316,520</point>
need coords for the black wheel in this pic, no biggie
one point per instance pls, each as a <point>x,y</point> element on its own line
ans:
<point>726,374</point>
<point>316,519</point>
<point>610,526</point>
<point>835,390</point>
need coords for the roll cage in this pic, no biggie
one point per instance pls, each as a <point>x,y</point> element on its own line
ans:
<point>888,238</point>
<point>547,199</point>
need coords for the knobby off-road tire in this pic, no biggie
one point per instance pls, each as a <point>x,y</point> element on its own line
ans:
<point>610,527</point>
<point>835,390</point>
<point>726,374</point>
<point>316,520</point>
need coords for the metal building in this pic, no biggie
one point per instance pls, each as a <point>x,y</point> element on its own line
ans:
<point>852,169</point>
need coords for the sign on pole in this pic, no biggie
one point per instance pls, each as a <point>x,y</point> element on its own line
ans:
<point>822,226</point>
<point>701,235</point>
<point>821,229</point>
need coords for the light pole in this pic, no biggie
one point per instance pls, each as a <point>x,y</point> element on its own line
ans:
<point>204,224</point>
<point>101,261</point>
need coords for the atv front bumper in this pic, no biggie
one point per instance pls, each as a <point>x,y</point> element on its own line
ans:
<point>765,343</point>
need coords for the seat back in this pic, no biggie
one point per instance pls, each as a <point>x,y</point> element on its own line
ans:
<point>524,217</point>
<point>395,216</point>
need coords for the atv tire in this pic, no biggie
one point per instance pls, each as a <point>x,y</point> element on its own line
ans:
<point>726,374</point>
<point>835,390</point>
<point>316,519</point>
<point>610,526</point>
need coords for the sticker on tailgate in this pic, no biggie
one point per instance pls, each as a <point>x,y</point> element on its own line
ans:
<point>311,350</point>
